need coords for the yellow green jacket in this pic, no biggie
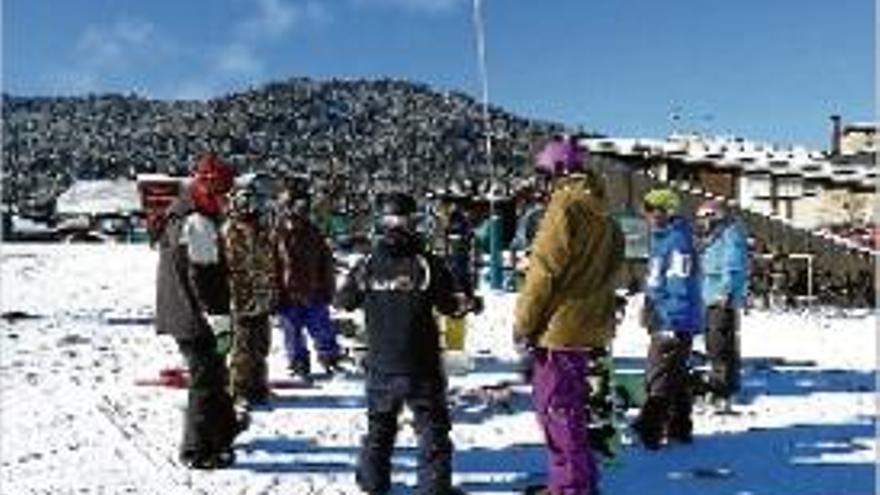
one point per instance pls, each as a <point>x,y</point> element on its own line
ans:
<point>567,299</point>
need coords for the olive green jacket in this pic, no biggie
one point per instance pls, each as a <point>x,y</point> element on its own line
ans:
<point>567,300</point>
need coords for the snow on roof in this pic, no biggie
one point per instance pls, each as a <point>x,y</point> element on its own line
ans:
<point>651,146</point>
<point>846,174</point>
<point>756,163</point>
<point>599,145</point>
<point>27,225</point>
<point>90,197</point>
<point>818,169</point>
<point>861,126</point>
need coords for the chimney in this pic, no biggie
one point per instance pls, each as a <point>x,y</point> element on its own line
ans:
<point>836,136</point>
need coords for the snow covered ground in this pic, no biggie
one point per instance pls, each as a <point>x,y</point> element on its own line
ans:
<point>77,335</point>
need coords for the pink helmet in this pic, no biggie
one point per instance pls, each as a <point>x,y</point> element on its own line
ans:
<point>560,156</point>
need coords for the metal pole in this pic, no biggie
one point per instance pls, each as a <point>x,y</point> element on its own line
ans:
<point>479,28</point>
<point>496,263</point>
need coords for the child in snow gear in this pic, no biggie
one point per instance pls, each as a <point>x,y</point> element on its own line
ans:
<point>252,268</point>
<point>308,280</point>
<point>458,254</point>
<point>566,307</point>
<point>724,263</point>
<point>192,305</point>
<point>672,314</point>
<point>399,285</point>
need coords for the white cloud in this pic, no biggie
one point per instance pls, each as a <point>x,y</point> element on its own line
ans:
<point>103,56</point>
<point>124,43</point>
<point>270,21</point>
<point>74,82</point>
<point>429,6</point>
<point>192,90</point>
<point>238,58</point>
<point>120,53</point>
<point>273,19</point>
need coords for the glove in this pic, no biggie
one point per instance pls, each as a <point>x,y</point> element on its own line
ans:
<point>477,305</point>
<point>224,343</point>
<point>221,325</point>
<point>462,305</point>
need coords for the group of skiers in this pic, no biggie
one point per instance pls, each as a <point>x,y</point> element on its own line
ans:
<point>225,269</point>
<point>228,261</point>
<point>565,313</point>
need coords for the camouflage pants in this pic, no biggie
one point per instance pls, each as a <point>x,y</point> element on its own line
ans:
<point>249,371</point>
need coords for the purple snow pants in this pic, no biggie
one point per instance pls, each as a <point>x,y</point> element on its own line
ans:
<point>559,392</point>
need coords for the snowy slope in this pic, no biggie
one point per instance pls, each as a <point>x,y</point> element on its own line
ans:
<point>74,422</point>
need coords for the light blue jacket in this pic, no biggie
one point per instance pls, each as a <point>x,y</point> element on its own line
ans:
<point>725,264</point>
<point>672,288</point>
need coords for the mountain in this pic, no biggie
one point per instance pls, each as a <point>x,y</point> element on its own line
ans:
<point>359,128</point>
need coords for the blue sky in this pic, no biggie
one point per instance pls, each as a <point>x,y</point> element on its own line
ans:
<point>770,70</point>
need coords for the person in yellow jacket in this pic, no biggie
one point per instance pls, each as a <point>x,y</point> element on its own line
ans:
<point>565,308</point>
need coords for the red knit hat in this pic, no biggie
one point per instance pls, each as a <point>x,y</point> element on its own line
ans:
<point>212,179</point>
<point>211,168</point>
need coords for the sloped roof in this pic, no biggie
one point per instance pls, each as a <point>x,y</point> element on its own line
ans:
<point>94,197</point>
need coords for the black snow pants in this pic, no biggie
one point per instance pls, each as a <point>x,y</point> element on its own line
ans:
<point>667,409</point>
<point>209,420</point>
<point>426,398</point>
<point>722,348</point>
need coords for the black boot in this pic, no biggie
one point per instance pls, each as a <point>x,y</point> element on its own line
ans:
<point>332,364</point>
<point>651,421</point>
<point>300,368</point>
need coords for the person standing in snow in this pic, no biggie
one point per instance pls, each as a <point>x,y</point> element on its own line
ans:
<point>399,285</point>
<point>673,315</point>
<point>724,265</point>
<point>308,280</point>
<point>567,307</point>
<point>249,244</point>
<point>192,305</point>
<point>458,254</point>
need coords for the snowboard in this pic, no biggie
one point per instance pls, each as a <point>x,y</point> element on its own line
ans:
<point>602,409</point>
<point>495,397</point>
<point>176,377</point>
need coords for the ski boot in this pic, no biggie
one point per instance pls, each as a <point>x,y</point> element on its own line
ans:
<point>300,369</point>
<point>333,364</point>
<point>207,461</point>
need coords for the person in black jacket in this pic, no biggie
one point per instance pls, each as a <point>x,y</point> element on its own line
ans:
<point>398,285</point>
<point>192,305</point>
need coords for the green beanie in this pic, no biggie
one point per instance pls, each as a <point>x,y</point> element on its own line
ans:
<point>662,198</point>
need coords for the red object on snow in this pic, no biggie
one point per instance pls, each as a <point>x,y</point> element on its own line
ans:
<point>168,377</point>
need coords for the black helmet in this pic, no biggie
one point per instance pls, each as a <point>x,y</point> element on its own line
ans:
<point>397,204</point>
<point>396,211</point>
